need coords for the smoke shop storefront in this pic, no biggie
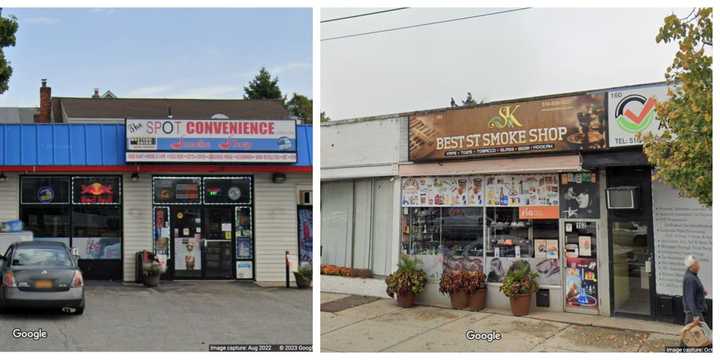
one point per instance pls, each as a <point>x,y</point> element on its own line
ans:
<point>535,204</point>
<point>561,183</point>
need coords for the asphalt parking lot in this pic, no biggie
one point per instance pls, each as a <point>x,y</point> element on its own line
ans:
<point>177,316</point>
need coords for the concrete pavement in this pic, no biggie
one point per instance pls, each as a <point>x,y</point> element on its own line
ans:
<point>177,316</point>
<point>383,326</point>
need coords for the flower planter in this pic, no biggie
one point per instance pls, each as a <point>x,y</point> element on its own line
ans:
<point>520,304</point>
<point>476,300</point>
<point>151,280</point>
<point>405,300</point>
<point>302,282</point>
<point>459,300</point>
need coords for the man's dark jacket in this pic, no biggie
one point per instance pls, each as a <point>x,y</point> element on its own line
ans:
<point>693,294</point>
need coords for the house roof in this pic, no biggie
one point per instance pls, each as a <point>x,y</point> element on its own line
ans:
<point>17,115</point>
<point>68,108</point>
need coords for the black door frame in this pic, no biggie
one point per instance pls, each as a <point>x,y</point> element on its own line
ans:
<point>653,298</point>
<point>170,273</point>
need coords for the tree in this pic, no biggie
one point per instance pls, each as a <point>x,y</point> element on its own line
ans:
<point>324,118</point>
<point>302,107</point>
<point>263,87</point>
<point>682,153</point>
<point>8,28</point>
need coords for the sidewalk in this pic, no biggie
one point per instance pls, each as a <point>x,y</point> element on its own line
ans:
<point>380,325</point>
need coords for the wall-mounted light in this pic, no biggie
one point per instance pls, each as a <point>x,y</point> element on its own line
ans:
<point>134,177</point>
<point>279,178</point>
<point>2,177</point>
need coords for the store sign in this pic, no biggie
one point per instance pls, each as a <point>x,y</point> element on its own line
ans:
<point>96,190</point>
<point>632,113</point>
<point>682,227</point>
<point>227,190</point>
<point>539,212</point>
<point>579,197</point>
<point>211,141</point>
<point>535,126</point>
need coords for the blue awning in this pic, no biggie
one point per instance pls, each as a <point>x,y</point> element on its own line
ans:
<point>88,145</point>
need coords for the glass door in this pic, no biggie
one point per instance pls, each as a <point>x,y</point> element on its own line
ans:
<point>186,223</point>
<point>581,270</point>
<point>632,267</point>
<point>218,249</point>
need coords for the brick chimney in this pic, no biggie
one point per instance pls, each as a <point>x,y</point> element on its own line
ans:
<point>43,115</point>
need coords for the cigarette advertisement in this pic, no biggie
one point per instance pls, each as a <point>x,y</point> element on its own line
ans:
<point>442,191</point>
<point>581,290</point>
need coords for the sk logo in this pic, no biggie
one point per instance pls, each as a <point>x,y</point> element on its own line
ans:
<point>629,120</point>
<point>505,118</point>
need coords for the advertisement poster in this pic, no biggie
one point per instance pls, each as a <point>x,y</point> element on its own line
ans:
<point>552,249</point>
<point>243,269</point>
<point>633,112</point>
<point>522,190</point>
<point>187,254</point>
<point>176,190</point>
<point>227,190</point>
<point>681,226</point>
<point>210,140</point>
<point>585,245</point>
<point>98,247</point>
<point>581,282</point>
<point>243,233</point>
<point>161,230</point>
<point>548,270</point>
<point>243,248</point>
<point>540,249</point>
<point>533,126</point>
<point>44,190</point>
<point>305,238</point>
<point>579,198</point>
<point>442,191</point>
<point>100,190</point>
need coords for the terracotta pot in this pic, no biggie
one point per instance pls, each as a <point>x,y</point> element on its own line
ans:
<point>520,304</point>
<point>405,300</point>
<point>459,300</point>
<point>476,300</point>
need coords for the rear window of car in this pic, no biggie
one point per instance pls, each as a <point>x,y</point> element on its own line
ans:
<point>50,256</point>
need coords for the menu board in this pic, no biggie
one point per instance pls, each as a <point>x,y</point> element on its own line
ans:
<point>522,190</point>
<point>442,191</point>
<point>682,227</point>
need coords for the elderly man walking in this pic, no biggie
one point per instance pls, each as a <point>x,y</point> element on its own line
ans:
<point>693,292</point>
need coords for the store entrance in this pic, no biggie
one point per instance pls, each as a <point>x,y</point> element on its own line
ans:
<point>202,246</point>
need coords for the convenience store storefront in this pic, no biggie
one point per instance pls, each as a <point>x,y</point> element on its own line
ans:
<point>559,182</point>
<point>212,207</point>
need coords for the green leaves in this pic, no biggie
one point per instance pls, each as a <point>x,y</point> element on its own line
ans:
<point>8,28</point>
<point>682,157</point>
<point>408,278</point>
<point>519,280</point>
<point>263,87</point>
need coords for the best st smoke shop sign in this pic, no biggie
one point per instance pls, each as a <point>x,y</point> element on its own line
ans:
<point>547,125</point>
<point>270,141</point>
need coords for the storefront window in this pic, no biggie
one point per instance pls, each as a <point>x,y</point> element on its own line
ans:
<point>96,190</point>
<point>45,190</point>
<point>47,221</point>
<point>236,190</point>
<point>176,190</point>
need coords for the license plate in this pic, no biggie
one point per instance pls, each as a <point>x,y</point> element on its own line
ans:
<point>43,284</point>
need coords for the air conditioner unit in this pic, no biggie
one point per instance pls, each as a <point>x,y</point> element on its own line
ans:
<point>622,198</point>
<point>305,197</point>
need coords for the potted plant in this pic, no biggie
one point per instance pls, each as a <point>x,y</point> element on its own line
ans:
<point>476,288</point>
<point>406,282</point>
<point>303,277</point>
<point>451,283</point>
<point>519,284</point>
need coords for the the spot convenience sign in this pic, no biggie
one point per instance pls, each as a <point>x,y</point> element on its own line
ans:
<point>169,140</point>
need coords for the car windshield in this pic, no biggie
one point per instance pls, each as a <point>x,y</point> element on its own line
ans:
<point>50,256</point>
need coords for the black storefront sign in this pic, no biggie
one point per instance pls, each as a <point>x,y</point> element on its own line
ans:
<point>45,190</point>
<point>221,190</point>
<point>96,190</point>
<point>579,196</point>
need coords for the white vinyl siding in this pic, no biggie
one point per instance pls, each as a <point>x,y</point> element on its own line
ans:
<point>10,198</point>
<point>137,220</point>
<point>276,224</point>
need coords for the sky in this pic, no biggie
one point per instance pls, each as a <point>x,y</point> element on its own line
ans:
<point>527,53</point>
<point>175,53</point>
